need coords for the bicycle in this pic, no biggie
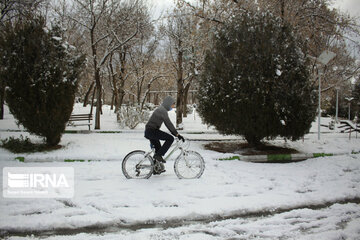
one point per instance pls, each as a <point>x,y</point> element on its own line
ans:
<point>187,165</point>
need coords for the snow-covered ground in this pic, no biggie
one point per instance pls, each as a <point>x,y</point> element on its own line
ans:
<point>314,199</point>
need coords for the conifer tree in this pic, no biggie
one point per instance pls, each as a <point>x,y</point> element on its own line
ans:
<point>256,82</point>
<point>41,72</point>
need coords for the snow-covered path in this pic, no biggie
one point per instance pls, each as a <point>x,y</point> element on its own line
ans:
<point>104,198</point>
<point>313,199</point>
<point>336,221</point>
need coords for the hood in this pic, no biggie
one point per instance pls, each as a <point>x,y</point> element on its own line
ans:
<point>168,101</point>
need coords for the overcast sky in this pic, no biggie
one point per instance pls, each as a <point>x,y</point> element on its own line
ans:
<point>351,6</point>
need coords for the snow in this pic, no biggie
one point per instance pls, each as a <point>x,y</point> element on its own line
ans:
<point>57,38</point>
<point>314,199</point>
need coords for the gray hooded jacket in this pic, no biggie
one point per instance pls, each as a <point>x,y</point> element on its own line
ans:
<point>160,115</point>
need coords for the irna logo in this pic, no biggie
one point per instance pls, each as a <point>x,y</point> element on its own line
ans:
<point>38,182</point>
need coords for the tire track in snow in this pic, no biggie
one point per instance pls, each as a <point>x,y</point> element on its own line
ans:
<point>100,229</point>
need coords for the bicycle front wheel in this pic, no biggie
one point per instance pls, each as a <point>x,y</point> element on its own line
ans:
<point>189,165</point>
<point>137,165</point>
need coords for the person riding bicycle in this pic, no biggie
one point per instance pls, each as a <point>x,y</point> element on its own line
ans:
<point>153,132</point>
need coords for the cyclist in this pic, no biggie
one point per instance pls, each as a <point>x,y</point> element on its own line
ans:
<point>154,134</point>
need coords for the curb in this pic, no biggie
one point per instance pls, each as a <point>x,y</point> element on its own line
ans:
<point>271,158</point>
<point>75,131</point>
<point>53,159</point>
<point>278,158</point>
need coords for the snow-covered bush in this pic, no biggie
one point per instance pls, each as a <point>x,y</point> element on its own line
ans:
<point>256,82</point>
<point>41,73</point>
<point>131,116</point>
<point>189,108</point>
<point>149,106</point>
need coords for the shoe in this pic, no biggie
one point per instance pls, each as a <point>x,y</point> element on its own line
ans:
<point>159,158</point>
<point>159,168</point>
<point>158,173</point>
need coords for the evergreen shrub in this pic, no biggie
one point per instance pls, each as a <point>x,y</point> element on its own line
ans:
<point>256,81</point>
<point>41,72</point>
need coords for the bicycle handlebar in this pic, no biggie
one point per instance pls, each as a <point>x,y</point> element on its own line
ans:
<point>184,145</point>
<point>186,139</point>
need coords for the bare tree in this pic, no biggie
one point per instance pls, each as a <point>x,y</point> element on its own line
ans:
<point>18,9</point>
<point>188,40</point>
<point>176,32</point>
<point>97,18</point>
<point>145,70</point>
<point>120,67</point>
<point>217,11</point>
<point>324,28</point>
<point>117,68</point>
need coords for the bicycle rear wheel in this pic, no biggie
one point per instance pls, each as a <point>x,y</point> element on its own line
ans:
<point>189,165</point>
<point>137,165</point>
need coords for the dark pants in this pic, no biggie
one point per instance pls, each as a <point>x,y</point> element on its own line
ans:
<point>155,135</point>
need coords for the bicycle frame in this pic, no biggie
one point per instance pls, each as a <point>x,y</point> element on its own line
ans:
<point>174,147</point>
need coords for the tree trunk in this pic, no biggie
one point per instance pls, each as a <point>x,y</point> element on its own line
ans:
<point>115,97</point>
<point>92,101</point>
<point>98,99</point>
<point>112,102</point>
<point>103,96</point>
<point>186,93</point>
<point>53,140</point>
<point>192,77</point>
<point>96,76</point>
<point>253,140</point>
<point>2,100</point>
<point>180,88</point>
<point>86,99</point>
<point>156,100</point>
<point>121,92</point>
<point>141,83</point>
